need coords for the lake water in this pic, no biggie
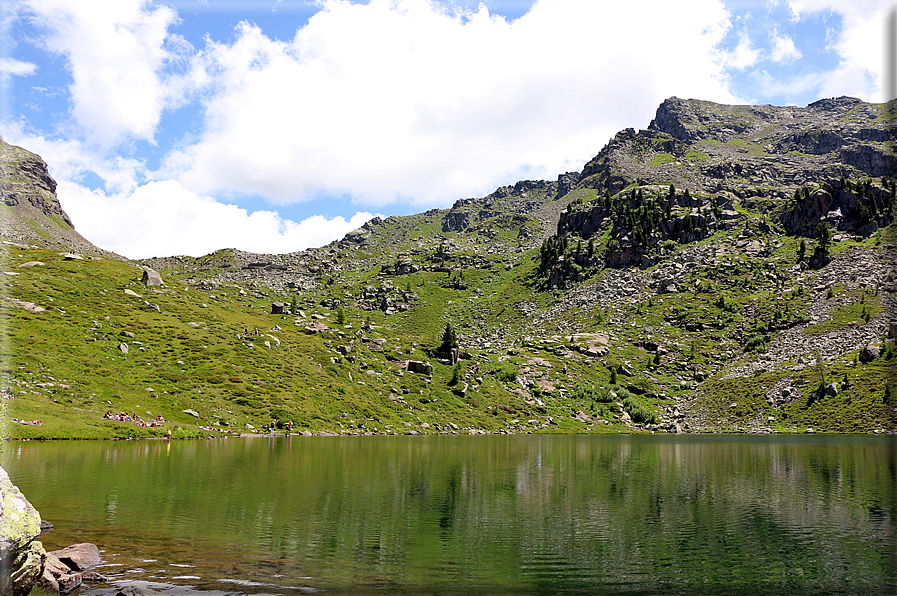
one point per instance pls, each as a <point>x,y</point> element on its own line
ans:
<point>476,515</point>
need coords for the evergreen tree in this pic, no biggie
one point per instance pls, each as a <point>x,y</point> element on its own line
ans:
<point>449,340</point>
<point>823,235</point>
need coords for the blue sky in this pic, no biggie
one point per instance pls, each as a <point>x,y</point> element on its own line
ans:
<point>187,126</point>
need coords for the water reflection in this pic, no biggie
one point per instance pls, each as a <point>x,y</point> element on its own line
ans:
<point>502,514</point>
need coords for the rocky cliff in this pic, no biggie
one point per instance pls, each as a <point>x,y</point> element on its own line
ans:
<point>30,213</point>
<point>711,147</point>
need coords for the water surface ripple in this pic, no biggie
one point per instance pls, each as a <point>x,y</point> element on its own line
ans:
<point>476,515</point>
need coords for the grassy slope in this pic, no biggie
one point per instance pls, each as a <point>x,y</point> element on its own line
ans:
<point>66,369</point>
<point>193,354</point>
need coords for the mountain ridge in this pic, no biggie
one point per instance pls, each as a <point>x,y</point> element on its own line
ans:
<point>730,268</point>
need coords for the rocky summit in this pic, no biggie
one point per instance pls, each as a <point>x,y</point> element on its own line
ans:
<point>728,269</point>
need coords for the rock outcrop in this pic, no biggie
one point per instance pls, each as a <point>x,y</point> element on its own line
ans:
<point>707,147</point>
<point>65,569</point>
<point>30,212</point>
<point>22,558</point>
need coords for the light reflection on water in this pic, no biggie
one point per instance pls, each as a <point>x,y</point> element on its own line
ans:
<point>524,514</point>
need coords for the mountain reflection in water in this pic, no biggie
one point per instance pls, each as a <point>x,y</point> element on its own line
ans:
<point>479,514</point>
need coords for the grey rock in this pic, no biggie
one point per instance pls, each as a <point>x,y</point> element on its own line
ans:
<point>151,277</point>
<point>869,353</point>
<point>93,577</point>
<point>422,368</point>
<point>79,557</point>
<point>59,577</point>
<point>193,413</point>
<point>123,347</point>
<point>20,554</point>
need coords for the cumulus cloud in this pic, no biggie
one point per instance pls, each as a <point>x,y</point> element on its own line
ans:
<point>406,101</point>
<point>70,159</point>
<point>140,223</point>
<point>121,57</point>
<point>858,44</point>
<point>744,55</point>
<point>387,102</point>
<point>10,67</point>
<point>783,48</point>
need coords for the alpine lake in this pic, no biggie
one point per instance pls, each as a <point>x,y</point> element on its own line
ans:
<point>526,514</point>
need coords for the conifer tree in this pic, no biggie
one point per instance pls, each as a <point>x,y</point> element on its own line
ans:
<point>449,340</point>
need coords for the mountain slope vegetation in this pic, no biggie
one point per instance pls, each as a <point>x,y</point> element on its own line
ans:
<point>729,269</point>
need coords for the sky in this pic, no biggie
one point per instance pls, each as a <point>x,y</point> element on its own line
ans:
<point>185,126</point>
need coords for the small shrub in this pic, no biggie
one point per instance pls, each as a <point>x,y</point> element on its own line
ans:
<point>457,373</point>
<point>505,372</point>
<point>638,412</point>
<point>756,343</point>
<point>590,393</point>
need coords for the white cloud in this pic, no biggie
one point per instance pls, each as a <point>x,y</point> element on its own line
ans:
<point>10,67</point>
<point>393,100</point>
<point>401,100</point>
<point>119,52</point>
<point>744,55</point>
<point>70,159</point>
<point>164,218</point>
<point>783,49</point>
<point>859,45</point>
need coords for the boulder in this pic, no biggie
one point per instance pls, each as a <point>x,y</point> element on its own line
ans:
<point>152,277</point>
<point>316,327</point>
<point>21,557</point>
<point>79,557</point>
<point>422,368</point>
<point>868,354</point>
<point>59,577</point>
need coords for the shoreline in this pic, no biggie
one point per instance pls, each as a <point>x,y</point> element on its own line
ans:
<point>809,432</point>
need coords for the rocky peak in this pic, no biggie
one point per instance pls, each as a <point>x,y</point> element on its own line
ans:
<point>31,212</point>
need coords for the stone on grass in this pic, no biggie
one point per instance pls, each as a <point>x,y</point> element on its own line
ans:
<point>422,368</point>
<point>869,353</point>
<point>152,278</point>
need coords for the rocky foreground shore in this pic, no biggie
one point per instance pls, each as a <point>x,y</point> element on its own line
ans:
<point>24,563</point>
